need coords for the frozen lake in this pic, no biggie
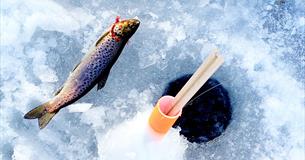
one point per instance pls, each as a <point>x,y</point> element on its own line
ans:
<point>263,43</point>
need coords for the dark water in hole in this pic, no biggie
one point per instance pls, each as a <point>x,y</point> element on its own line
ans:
<point>207,115</point>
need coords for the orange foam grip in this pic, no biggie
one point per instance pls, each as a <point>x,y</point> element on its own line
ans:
<point>158,120</point>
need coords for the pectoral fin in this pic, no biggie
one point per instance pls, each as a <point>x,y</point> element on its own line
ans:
<point>102,81</point>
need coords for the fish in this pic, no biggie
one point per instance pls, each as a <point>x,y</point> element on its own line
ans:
<point>92,70</point>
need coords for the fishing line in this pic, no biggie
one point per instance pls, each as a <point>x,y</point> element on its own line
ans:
<point>211,88</point>
<point>191,101</point>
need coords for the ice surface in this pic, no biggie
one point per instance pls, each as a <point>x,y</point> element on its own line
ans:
<point>262,42</point>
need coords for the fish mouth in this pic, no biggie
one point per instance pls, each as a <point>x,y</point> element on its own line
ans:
<point>137,22</point>
<point>125,28</point>
<point>134,23</point>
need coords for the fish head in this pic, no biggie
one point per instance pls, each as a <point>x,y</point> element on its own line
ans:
<point>124,29</point>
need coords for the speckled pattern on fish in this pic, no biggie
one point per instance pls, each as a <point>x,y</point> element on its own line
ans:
<point>93,66</point>
<point>93,69</point>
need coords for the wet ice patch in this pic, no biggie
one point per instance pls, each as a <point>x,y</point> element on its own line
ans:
<point>174,33</point>
<point>40,69</point>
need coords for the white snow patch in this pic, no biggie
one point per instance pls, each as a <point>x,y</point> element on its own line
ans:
<point>79,107</point>
<point>132,140</point>
<point>301,21</point>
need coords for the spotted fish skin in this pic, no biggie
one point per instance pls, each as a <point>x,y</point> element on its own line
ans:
<point>87,73</point>
<point>93,69</point>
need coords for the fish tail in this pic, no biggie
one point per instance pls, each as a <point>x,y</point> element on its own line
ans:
<point>42,114</point>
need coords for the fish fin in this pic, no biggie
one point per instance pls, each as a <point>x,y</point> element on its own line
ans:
<point>75,66</point>
<point>45,119</point>
<point>58,91</point>
<point>42,114</point>
<point>102,80</point>
<point>100,38</point>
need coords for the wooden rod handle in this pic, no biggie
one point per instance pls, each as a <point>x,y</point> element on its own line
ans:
<point>203,73</point>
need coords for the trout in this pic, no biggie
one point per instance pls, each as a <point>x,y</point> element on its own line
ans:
<point>92,70</point>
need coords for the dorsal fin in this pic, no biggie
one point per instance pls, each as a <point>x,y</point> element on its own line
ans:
<point>75,67</point>
<point>100,39</point>
<point>58,91</point>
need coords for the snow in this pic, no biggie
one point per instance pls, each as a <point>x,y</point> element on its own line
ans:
<point>262,42</point>
<point>79,107</point>
<point>139,142</point>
